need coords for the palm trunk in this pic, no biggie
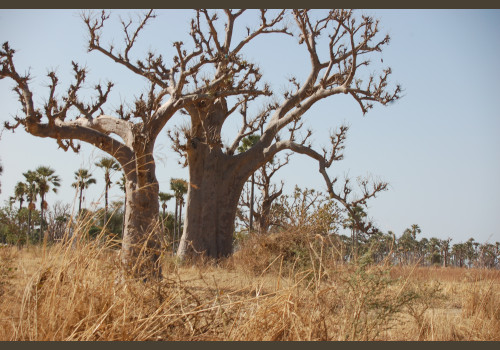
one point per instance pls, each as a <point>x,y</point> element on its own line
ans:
<point>80,202</point>
<point>29,221</point>
<point>106,204</point>
<point>180,219</point>
<point>175,224</point>
<point>28,232</point>
<point>19,212</point>
<point>251,202</point>
<point>42,212</point>
<point>163,220</point>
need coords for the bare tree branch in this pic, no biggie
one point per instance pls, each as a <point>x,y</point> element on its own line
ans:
<point>345,195</point>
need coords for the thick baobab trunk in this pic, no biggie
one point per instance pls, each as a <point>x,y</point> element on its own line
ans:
<point>212,201</point>
<point>141,246</point>
<point>216,180</point>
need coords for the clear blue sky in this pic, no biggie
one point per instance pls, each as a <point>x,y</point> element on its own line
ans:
<point>438,147</point>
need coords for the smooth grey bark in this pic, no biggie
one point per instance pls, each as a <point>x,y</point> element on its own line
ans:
<point>212,202</point>
<point>141,245</point>
<point>215,185</point>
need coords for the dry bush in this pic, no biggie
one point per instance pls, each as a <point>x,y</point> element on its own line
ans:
<point>286,251</point>
<point>289,287</point>
<point>7,269</point>
<point>482,300</point>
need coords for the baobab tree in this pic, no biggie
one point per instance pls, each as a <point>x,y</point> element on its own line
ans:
<point>217,174</point>
<point>208,79</point>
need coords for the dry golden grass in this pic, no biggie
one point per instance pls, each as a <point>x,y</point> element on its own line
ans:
<point>265,292</point>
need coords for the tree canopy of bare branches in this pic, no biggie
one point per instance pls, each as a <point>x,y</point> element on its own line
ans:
<point>208,79</point>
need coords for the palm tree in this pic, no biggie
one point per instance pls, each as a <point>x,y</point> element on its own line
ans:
<point>179,186</point>
<point>458,251</point>
<point>422,247</point>
<point>12,200</point>
<point>83,180</point>
<point>445,246</point>
<point>415,229</point>
<point>246,144</point>
<point>434,249</point>
<point>353,222</point>
<point>164,198</point>
<point>107,164</point>
<point>46,180</point>
<point>19,193</point>
<point>31,193</point>
<point>470,251</point>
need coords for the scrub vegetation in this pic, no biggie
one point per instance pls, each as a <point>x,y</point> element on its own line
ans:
<point>292,285</point>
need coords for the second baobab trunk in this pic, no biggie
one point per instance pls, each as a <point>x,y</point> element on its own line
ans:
<point>211,205</point>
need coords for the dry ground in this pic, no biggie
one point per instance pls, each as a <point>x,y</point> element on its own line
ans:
<point>64,293</point>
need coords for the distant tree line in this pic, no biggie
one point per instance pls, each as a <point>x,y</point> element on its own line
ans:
<point>28,218</point>
<point>22,221</point>
<point>316,213</point>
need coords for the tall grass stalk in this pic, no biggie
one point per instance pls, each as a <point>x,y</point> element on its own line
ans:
<point>288,286</point>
